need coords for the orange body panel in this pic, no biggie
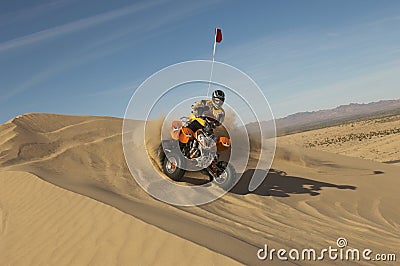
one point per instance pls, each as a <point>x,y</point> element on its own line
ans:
<point>223,143</point>
<point>185,135</point>
<point>175,129</point>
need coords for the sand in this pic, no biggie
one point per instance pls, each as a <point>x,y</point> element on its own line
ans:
<point>67,197</point>
<point>372,139</point>
<point>42,224</point>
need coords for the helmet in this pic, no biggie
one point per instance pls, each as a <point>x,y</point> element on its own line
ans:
<point>218,98</point>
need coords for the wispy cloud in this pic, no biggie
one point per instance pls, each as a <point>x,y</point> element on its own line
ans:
<point>128,88</point>
<point>312,69</point>
<point>367,87</point>
<point>156,25</point>
<point>51,71</point>
<point>31,12</point>
<point>42,75</point>
<point>77,25</point>
<point>89,53</point>
<point>384,20</point>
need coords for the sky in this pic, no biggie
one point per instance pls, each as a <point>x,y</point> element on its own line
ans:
<point>89,57</point>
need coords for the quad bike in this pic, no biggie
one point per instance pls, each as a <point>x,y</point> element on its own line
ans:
<point>196,151</point>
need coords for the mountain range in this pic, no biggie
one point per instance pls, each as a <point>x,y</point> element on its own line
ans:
<point>304,121</point>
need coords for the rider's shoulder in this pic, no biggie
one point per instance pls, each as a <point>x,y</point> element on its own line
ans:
<point>208,102</point>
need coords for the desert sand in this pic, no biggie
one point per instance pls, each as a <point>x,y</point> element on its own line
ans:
<point>67,198</point>
<point>373,139</point>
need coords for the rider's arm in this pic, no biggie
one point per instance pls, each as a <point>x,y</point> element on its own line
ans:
<point>195,108</point>
<point>199,108</point>
<point>220,116</point>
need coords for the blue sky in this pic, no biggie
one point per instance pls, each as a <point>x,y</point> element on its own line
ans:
<point>88,57</point>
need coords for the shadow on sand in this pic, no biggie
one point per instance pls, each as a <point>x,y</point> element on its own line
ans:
<point>195,181</point>
<point>279,184</point>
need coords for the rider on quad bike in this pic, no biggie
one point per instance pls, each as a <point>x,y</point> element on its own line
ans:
<point>195,144</point>
<point>209,108</point>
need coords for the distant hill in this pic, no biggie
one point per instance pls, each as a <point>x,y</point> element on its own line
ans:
<point>304,121</point>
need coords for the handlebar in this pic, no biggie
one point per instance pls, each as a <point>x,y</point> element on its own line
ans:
<point>212,123</point>
<point>209,119</point>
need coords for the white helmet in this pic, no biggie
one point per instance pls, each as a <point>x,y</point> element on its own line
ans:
<point>218,98</point>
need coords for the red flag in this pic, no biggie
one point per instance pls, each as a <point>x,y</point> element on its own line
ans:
<point>218,35</point>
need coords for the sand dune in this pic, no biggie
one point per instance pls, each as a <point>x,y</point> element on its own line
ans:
<point>309,199</point>
<point>41,224</point>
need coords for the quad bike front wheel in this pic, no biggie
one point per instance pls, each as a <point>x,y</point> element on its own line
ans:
<point>170,166</point>
<point>226,175</point>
